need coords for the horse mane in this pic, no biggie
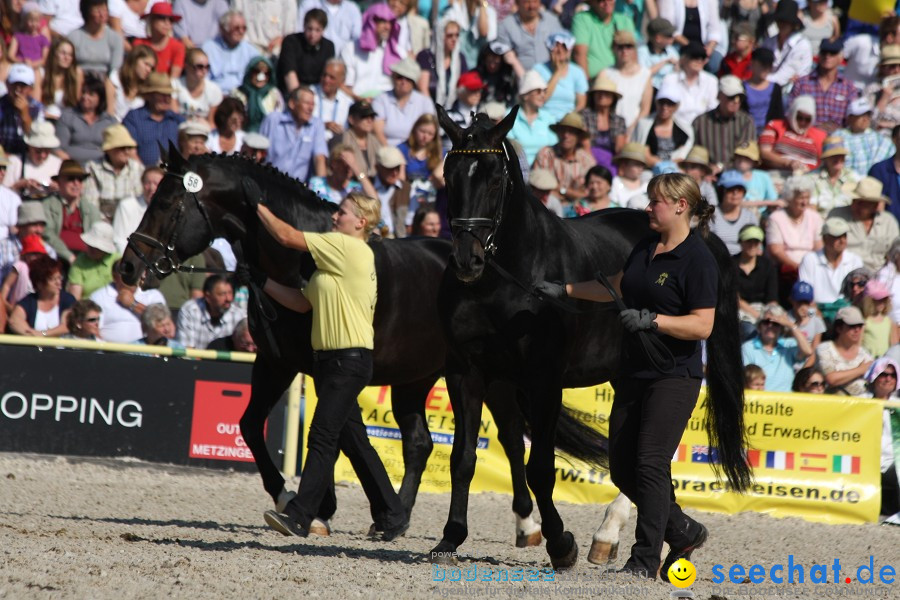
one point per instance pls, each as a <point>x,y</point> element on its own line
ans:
<point>287,196</point>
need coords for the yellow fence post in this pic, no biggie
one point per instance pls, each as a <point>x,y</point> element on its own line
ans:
<point>292,427</point>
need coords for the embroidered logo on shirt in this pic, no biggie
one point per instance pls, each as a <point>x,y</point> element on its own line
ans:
<point>662,279</point>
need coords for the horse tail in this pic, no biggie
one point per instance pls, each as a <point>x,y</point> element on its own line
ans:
<point>724,378</point>
<point>578,440</point>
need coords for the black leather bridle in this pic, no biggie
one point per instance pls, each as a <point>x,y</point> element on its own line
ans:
<point>459,226</point>
<point>169,262</point>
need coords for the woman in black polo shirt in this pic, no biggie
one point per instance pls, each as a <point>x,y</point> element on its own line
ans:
<point>670,285</point>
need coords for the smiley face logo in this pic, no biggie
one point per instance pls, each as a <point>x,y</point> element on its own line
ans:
<point>682,573</point>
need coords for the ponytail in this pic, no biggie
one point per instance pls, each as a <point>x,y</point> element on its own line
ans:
<point>704,211</point>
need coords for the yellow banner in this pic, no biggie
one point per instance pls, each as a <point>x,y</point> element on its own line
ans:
<point>815,457</point>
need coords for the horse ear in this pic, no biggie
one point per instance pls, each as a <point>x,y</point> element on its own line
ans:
<point>176,161</point>
<point>453,131</point>
<point>500,130</point>
<point>163,153</point>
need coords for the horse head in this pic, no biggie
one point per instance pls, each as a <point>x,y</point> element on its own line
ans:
<point>183,217</point>
<point>477,174</point>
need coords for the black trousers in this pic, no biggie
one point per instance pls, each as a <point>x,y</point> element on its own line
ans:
<point>646,423</point>
<point>337,425</point>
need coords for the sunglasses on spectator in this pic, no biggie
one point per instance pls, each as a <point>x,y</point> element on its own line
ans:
<point>624,46</point>
<point>887,374</point>
<point>92,320</point>
<point>816,384</point>
<point>858,283</point>
<point>857,326</point>
<point>239,28</point>
<point>201,66</point>
<point>770,323</point>
<point>804,118</point>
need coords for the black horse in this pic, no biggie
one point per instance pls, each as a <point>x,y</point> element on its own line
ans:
<point>410,347</point>
<point>504,241</point>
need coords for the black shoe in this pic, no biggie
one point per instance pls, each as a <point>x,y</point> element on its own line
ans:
<point>685,553</point>
<point>390,534</point>
<point>284,524</point>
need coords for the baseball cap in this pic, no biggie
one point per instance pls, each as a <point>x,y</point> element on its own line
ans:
<point>835,227</point>
<point>669,91</point>
<point>389,157</point>
<point>731,85</point>
<point>20,73</point>
<point>877,290</point>
<point>195,127</point>
<point>850,315</point>
<point>361,109</point>
<point>831,46</point>
<point>560,37</point>
<point>471,80</point>
<point>693,49</point>
<point>732,179</point>
<point>860,106</point>
<point>802,292</point>
<point>660,26</point>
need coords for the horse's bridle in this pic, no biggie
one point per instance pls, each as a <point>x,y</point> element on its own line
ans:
<point>468,225</point>
<point>168,262</point>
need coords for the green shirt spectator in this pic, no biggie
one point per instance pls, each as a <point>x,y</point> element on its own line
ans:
<point>594,30</point>
<point>92,269</point>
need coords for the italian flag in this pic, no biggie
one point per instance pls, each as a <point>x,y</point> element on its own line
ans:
<point>845,464</point>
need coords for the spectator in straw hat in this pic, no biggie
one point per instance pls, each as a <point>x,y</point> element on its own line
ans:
<point>154,123</point>
<point>400,108</point>
<point>67,216</point>
<point>9,202</point>
<point>116,176</point>
<point>865,145</point>
<point>632,80</point>
<point>629,186</point>
<point>33,179</point>
<point>779,345</point>
<point>567,85</point>
<point>17,108</point>
<point>696,164</point>
<point>870,231</point>
<point>543,185</point>
<point>834,181</point>
<point>699,89</point>
<point>666,136</point>
<point>92,268</point>
<point>725,127</point>
<point>606,128</point>
<point>568,160</point>
<point>885,102</point>
<point>760,188</point>
<point>532,126</point>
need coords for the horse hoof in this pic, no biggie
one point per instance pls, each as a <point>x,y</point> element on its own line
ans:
<point>320,528</point>
<point>524,540</point>
<point>443,554</point>
<point>603,552</point>
<point>570,557</point>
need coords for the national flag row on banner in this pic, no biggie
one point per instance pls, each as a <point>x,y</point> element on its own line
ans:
<point>776,459</point>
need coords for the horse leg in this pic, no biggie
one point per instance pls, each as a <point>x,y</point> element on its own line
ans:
<point>605,545</point>
<point>268,383</point>
<point>466,395</point>
<point>501,400</point>
<point>408,404</point>
<point>545,403</point>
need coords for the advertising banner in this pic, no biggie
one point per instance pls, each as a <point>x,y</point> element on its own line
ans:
<point>814,456</point>
<point>87,403</point>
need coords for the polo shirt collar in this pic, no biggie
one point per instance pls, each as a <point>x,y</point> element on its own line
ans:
<point>681,249</point>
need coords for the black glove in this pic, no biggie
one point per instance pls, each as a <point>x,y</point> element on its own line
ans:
<point>252,194</point>
<point>635,320</point>
<point>552,289</point>
<point>246,274</point>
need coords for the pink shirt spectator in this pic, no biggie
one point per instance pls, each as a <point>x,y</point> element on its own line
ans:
<point>798,237</point>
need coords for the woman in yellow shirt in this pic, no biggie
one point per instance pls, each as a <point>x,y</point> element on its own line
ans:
<point>342,294</point>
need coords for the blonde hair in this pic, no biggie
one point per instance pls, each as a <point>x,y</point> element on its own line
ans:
<point>678,185</point>
<point>869,310</point>
<point>366,208</point>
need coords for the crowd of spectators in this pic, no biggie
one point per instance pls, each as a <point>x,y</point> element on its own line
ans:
<point>787,116</point>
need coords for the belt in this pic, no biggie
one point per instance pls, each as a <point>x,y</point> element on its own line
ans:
<point>319,355</point>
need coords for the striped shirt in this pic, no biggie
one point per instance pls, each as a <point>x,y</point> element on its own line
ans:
<point>831,104</point>
<point>721,135</point>
<point>806,148</point>
<point>104,187</point>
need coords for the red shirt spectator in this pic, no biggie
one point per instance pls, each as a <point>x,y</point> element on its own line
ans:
<point>793,142</point>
